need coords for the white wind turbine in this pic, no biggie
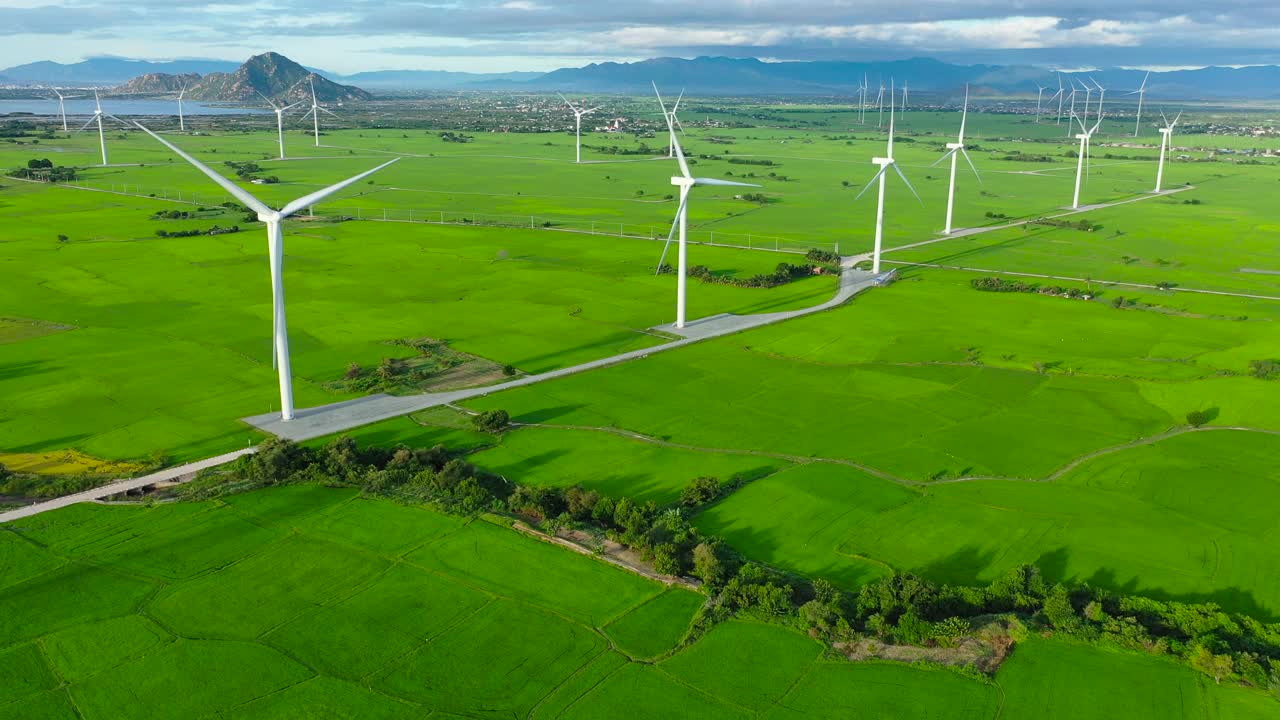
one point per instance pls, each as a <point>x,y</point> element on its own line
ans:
<point>279,111</point>
<point>182,122</point>
<point>1166,142</point>
<point>1071,112</point>
<point>673,121</point>
<point>885,163</point>
<point>880,104</point>
<point>1102,95</point>
<point>686,182</point>
<point>904,95</point>
<point>275,250</point>
<point>62,108</point>
<point>316,109</point>
<point>1082,160</point>
<point>1039,95</point>
<point>577,123</point>
<point>1141,92</point>
<point>1061,95</point>
<point>862,100</point>
<point>954,150</point>
<point>97,117</point>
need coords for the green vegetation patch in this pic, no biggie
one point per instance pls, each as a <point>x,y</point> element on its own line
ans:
<point>837,690</point>
<point>53,705</point>
<point>800,518</point>
<point>582,682</point>
<point>88,649</point>
<point>642,692</point>
<point>613,465</point>
<point>67,596</point>
<point>324,698</point>
<point>23,673</point>
<point>250,597</point>
<point>382,527</point>
<point>229,673</point>
<point>287,505</point>
<point>502,660</point>
<point>657,626</point>
<point>510,565</point>
<point>18,329</point>
<point>727,664</point>
<point>20,559</point>
<point>399,611</point>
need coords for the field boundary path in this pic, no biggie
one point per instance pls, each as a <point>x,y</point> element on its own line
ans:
<point>166,475</point>
<point>316,422</point>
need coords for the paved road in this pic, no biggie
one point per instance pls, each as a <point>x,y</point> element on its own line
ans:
<point>315,422</point>
<point>166,475</point>
<point>965,232</point>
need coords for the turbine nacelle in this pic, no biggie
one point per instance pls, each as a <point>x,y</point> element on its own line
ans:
<point>954,146</point>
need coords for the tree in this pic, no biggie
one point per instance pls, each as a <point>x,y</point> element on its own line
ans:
<point>700,490</point>
<point>492,421</point>
<point>707,565</point>
<point>666,559</point>
<point>1059,611</point>
<point>1196,418</point>
<point>5,473</point>
<point>63,238</point>
<point>353,371</point>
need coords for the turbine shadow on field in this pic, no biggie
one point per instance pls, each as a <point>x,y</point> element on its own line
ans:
<point>58,443</point>
<point>981,249</point>
<point>9,371</point>
<point>542,415</point>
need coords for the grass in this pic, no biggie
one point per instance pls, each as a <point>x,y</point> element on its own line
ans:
<point>657,626</point>
<point>66,462</point>
<point>508,626</point>
<point>613,465</point>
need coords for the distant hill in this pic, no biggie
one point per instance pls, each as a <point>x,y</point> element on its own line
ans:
<point>275,76</point>
<point>269,74</point>
<point>106,71</point>
<point>432,79</point>
<point>158,83</point>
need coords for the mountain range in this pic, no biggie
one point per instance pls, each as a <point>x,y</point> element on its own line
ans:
<point>277,76</point>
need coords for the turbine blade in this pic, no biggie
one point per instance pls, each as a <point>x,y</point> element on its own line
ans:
<point>945,155</point>
<point>317,196</point>
<point>86,125</point>
<point>684,202</point>
<point>1177,118</point>
<point>269,100</point>
<point>675,108</point>
<point>585,112</point>
<point>294,105</point>
<point>684,165</point>
<point>724,183</point>
<point>113,117</point>
<point>964,153</point>
<point>326,111</point>
<point>236,191</point>
<point>566,102</point>
<point>907,182</point>
<point>874,178</point>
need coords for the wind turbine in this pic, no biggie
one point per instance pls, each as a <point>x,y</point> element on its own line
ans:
<point>1088,95</point>
<point>1102,95</point>
<point>1061,96</point>
<point>954,150</point>
<point>577,123</point>
<point>1082,161</point>
<point>904,94</point>
<point>880,104</point>
<point>1141,92</point>
<point>275,250</point>
<point>673,121</point>
<point>62,108</point>
<point>685,182</point>
<point>862,101</point>
<point>1039,95</point>
<point>279,110</point>
<point>1166,140</point>
<point>182,123</point>
<point>97,117</point>
<point>885,163</point>
<point>315,110</point>
<point>1071,113</point>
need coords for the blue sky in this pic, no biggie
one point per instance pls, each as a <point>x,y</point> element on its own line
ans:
<point>503,35</point>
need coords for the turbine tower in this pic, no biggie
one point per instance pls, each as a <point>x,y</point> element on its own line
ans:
<point>275,250</point>
<point>885,163</point>
<point>577,124</point>
<point>880,104</point>
<point>904,94</point>
<point>1061,96</point>
<point>1166,140</point>
<point>1071,112</point>
<point>315,110</point>
<point>954,150</point>
<point>182,123</point>
<point>1082,160</point>
<point>862,101</point>
<point>97,117</point>
<point>279,111</point>
<point>686,182</point>
<point>62,108</point>
<point>1039,96</point>
<point>1102,95</point>
<point>1141,92</point>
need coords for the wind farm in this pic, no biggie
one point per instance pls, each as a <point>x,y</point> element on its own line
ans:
<point>964,451</point>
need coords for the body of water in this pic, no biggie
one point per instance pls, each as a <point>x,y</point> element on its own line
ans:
<point>83,108</point>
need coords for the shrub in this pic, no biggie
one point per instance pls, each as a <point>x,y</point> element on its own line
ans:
<point>700,490</point>
<point>1196,418</point>
<point>492,421</point>
<point>1265,369</point>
